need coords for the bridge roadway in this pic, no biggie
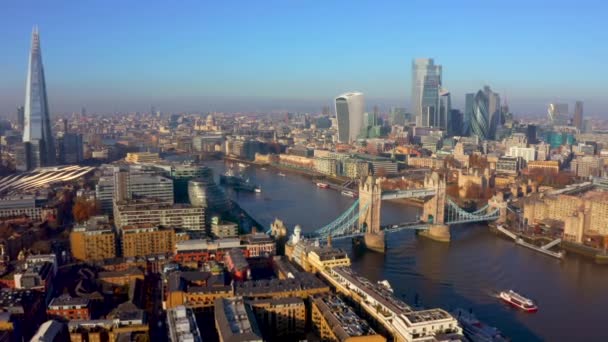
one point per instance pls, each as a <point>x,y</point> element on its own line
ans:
<point>409,193</point>
<point>417,225</point>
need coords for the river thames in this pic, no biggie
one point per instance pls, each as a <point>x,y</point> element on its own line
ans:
<point>571,294</point>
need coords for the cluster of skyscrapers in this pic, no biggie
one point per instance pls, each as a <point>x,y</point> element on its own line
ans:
<point>431,106</point>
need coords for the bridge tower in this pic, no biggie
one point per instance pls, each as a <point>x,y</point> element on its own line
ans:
<point>434,208</point>
<point>498,202</point>
<point>370,199</point>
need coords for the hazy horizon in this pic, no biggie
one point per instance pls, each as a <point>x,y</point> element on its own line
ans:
<point>298,55</point>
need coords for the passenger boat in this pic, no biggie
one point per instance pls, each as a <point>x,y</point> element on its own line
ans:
<point>518,301</point>
<point>323,185</point>
<point>349,193</point>
<point>475,330</point>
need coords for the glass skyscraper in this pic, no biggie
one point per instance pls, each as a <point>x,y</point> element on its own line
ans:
<point>37,126</point>
<point>349,114</point>
<point>426,86</point>
<point>480,125</point>
<point>558,113</point>
<point>578,115</point>
<point>482,113</point>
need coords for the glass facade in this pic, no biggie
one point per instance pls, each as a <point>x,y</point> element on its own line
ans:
<point>479,116</point>
<point>37,126</point>
<point>349,113</point>
<point>426,85</point>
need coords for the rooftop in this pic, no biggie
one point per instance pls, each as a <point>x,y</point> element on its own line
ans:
<point>341,318</point>
<point>67,300</point>
<point>379,292</point>
<point>235,321</point>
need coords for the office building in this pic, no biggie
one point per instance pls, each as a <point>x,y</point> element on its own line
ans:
<point>558,113</point>
<point>531,134</point>
<point>455,123</point>
<point>469,104</point>
<point>398,116</point>
<point>93,240</point>
<point>126,185</point>
<point>37,124</point>
<point>494,110</point>
<point>528,154</point>
<point>21,206</point>
<point>586,166</point>
<point>349,113</point>
<point>157,212</point>
<point>70,148</point>
<point>20,118</point>
<point>142,157</point>
<point>480,125</point>
<point>205,193</point>
<point>426,87</point>
<point>578,115</point>
<point>509,165</point>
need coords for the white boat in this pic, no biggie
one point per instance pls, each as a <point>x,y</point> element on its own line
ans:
<point>518,301</point>
<point>243,166</point>
<point>281,174</point>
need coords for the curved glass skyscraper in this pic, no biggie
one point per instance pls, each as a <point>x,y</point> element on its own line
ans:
<point>204,192</point>
<point>480,125</point>
<point>37,126</point>
<point>349,112</point>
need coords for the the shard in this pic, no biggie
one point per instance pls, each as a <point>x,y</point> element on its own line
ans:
<point>37,133</point>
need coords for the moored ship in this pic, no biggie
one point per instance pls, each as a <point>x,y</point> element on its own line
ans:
<point>238,183</point>
<point>518,301</point>
<point>475,330</point>
<point>323,185</point>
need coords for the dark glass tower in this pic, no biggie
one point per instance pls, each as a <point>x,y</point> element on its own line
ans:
<point>37,126</point>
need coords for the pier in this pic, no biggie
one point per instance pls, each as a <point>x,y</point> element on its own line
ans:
<point>542,249</point>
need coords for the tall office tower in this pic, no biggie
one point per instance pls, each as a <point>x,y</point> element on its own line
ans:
<point>455,123</point>
<point>398,116</point>
<point>426,85</point>
<point>578,115</point>
<point>70,148</point>
<point>469,101</point>
<point>480,125</point>
<point>20,117</point>
<point>37,126</point>
<point>445,106</point>
<point>494,111</point>
<point>531,134</point>
<point>349,114</point>
<point>558,113</point>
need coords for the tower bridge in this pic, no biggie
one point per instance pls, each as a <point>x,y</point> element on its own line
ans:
<point>439,213</point>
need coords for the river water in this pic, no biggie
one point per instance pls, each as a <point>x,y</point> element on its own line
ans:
<point>572,294</point>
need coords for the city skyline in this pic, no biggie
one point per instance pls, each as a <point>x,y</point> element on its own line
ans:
<point>290,63</point>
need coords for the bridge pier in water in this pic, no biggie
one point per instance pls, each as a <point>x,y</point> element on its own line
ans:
<point>370,197</point>
<point>434,209</point>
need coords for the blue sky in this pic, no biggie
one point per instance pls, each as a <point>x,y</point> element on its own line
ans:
<point>298,54</point>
